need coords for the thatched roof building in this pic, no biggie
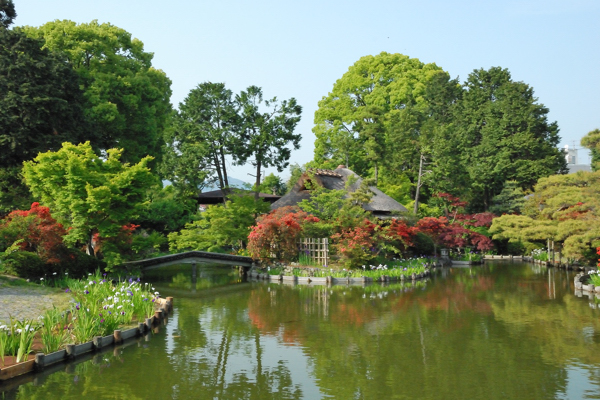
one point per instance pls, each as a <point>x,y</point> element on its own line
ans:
<point>381,204</point>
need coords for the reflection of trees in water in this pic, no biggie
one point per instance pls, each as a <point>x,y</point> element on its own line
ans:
<point>223,323</point>
<point>203,281</point>
<point>452,329</point>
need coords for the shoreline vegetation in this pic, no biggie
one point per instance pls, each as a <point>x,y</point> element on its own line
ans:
<point>394,269</point>
<point>99,307</point>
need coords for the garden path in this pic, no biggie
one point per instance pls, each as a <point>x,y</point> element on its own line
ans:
<point>25,302</point>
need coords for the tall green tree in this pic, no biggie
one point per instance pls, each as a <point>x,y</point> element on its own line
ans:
<point>267,130</point>
<point>41,104</point>
<point>505,134</point>
<point>127,100</point>
<point>7,13</point>
<point>592,142</point>
<point>380,115</point>
<point>92,196</point>
<point>204,132</point>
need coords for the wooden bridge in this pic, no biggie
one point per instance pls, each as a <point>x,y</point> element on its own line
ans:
<point>191,257</point>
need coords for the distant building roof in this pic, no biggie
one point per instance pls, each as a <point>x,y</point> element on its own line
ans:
<point>381,204</point>
<point>216,196</point>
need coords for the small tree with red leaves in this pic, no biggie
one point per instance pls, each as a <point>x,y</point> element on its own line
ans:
<point>358,245</point>
<point>399,236</point>
<point>433,228</point>
<point>40,233</point>
<point>276,234</point>
<point>452,205</point>
<point>119,246</point>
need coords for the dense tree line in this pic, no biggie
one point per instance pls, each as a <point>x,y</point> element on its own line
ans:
<point>408,124</point>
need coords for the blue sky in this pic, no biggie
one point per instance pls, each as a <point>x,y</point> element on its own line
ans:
<point>299,49</point>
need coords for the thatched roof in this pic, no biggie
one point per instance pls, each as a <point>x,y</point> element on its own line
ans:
<point>381,204</point>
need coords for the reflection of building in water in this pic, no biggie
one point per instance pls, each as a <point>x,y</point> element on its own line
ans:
<point>572,161</point>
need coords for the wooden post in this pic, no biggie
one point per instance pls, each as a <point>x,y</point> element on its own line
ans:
<point>149,323</point>
<point>117,336</point>
<point>157,315</point>
<point>141,328</point>
<point>70,350</point>
<point>97,340</point>
<point>39,361</point>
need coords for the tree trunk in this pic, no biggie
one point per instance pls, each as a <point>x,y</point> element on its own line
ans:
<point>416,208</point>
<point>225,180</point>
<point>89,247</point>
<point>220,176</point>
<point>376,173</point>
<point>258,166</point>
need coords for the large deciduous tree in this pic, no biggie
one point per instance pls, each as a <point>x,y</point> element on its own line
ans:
<point>41,104</point>
<point>267,130</point>
<point>204,132</point>
<point>380,116</point>
<point>505,135</point>
<point>127,99</point>
<point>92,196</point>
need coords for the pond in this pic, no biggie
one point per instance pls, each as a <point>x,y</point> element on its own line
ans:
<point>499,331</point>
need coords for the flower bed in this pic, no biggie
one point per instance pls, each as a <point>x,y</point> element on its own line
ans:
<point>100,308</point>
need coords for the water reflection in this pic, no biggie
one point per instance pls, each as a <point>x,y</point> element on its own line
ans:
<point>495,332</point>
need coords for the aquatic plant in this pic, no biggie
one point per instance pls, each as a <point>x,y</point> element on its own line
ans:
<point>54,332</point>
<point>16,338</point>
<point>539,254</point>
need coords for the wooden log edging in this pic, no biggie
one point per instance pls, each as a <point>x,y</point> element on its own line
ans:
<point>40,361</point>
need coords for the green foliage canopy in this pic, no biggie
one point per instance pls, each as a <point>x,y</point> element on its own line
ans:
<point>127,100</point>
<point>505,135</point>
<point>88,194</point>
<point>7,13</point>
<point>564,208</point>
<point>266,131</point>
<point>378,115</point>
<point>41,105</point>
<point>204,131</point>
<point>220,227</point>
<point>592,142</point>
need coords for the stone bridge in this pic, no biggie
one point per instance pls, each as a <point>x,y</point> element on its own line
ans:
<point>191,257</point>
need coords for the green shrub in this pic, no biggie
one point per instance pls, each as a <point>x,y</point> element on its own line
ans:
<point>23,264</point>
<point>78,264</point>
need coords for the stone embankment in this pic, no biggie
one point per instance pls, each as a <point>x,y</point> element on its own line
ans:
<point>583,283</point>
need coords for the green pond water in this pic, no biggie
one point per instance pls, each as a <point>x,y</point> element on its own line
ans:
<point>499,331</point>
